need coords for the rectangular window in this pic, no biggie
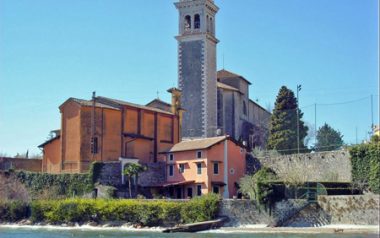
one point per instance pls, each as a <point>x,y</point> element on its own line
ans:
<point>216,168</point>
<point>215,189</point>
<point>199,190</point>
<point>199,154</point>
<point>199,168</point>
<point>171,157</point>
<point>171,170</point>
<point>181,168</point>
<point>94,145</point>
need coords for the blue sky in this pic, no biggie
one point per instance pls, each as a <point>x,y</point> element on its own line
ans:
<point>124,49</point>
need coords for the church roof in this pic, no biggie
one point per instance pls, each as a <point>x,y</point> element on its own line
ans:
<point>88,103</point>
<point>123,103</point>
<point>158,103</point>
<point>227,87</point>
<point>49,141</point>
<point>227,74</point>
<point>197,144</point>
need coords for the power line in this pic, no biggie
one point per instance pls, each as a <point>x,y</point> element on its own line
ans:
<point>341,103</point>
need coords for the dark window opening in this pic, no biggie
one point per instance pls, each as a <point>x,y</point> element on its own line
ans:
<point>197,21</point>
<point>199,154</point>
<point>199,168</point>
<point>187,23</point>
<point>208,24</point>
<point>216,168</point>
<point>190,192</point>
<point>199,190</point>
<point>171,170</point>
<point>94,145</point>
<point>181,168</point>
<point>171,157</point>
<point>215,189</point>
<point>179,193</point>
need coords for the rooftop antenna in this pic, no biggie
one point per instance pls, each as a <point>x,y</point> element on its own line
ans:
<point>158,94</point>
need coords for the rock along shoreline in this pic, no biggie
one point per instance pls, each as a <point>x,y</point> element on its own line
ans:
<point>257,228</point>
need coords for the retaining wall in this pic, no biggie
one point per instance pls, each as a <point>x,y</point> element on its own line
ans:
<point>32,165</point>
<point>332,166</point>
<point>357,209</point>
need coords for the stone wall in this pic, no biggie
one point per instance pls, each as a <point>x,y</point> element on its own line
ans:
<point>110,174</point>
<point>153,176</point>
<point>357,209</point>
<point>243,212</point>
<point>32,165</point>
<point>333,166</point>
<point>246,212</point>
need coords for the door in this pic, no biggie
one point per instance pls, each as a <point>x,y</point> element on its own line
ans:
<point>179,193</point>
<point>190,192</point>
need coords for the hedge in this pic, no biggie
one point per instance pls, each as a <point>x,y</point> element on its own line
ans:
<point>64,184</point>
<point>365,159</point>
<point>143,212</point>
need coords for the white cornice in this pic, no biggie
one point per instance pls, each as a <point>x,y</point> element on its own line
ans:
<point>209,4</point>
<point>197,36</point>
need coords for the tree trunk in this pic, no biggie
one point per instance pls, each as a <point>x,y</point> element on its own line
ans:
<point>130,187</point>
<point>136,184</point>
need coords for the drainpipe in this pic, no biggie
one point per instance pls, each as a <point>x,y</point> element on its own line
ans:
<point>226,193</point>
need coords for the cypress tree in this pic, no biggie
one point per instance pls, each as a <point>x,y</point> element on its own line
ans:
<point>283,124</point>
<point>328,139</point>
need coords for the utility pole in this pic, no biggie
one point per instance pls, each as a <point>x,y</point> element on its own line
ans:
<point>298,120</point>
<point>93,124</point>
<point>372,125</point>
<point>315,124</point>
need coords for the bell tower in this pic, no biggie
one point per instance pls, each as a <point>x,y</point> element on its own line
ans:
<point>197,74</point>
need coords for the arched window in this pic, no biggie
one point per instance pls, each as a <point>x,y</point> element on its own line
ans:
<point>244,108</point>
<point>197,21</point>
<point>211,26</point>
<point>208,23</point>
<point>187,23</point>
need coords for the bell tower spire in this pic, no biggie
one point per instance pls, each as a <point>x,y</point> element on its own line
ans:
<point>197,76</point>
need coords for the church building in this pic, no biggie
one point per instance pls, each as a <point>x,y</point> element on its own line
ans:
<point>214,102</point>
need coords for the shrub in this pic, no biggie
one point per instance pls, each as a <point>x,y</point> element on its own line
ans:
<point>365,159</point>
<point>12,189</point>
<point>200,208</point>
<point>255,186</point>
<point>11,211</point>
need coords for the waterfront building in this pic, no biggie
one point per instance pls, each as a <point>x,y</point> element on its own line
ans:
<point>104,129</point>
<point>200,166</point>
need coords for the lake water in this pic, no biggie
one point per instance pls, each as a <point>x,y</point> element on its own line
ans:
<point>48,233</point>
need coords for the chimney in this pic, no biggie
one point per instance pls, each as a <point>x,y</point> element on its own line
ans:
<point>176,107</point>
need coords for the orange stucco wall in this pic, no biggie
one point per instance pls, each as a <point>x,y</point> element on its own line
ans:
<point>51,161</point>
<point>147,133</point>
<point>215,154</point>
<point>129,132</point>
<point>70,137</point>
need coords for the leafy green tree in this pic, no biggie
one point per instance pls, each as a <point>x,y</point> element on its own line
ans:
<point>250,184</point>
<point>328,139</point>
<point>283,124</point>
<point>131,170</point>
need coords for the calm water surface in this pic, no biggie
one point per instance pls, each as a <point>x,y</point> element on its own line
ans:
<point>45,233</point>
